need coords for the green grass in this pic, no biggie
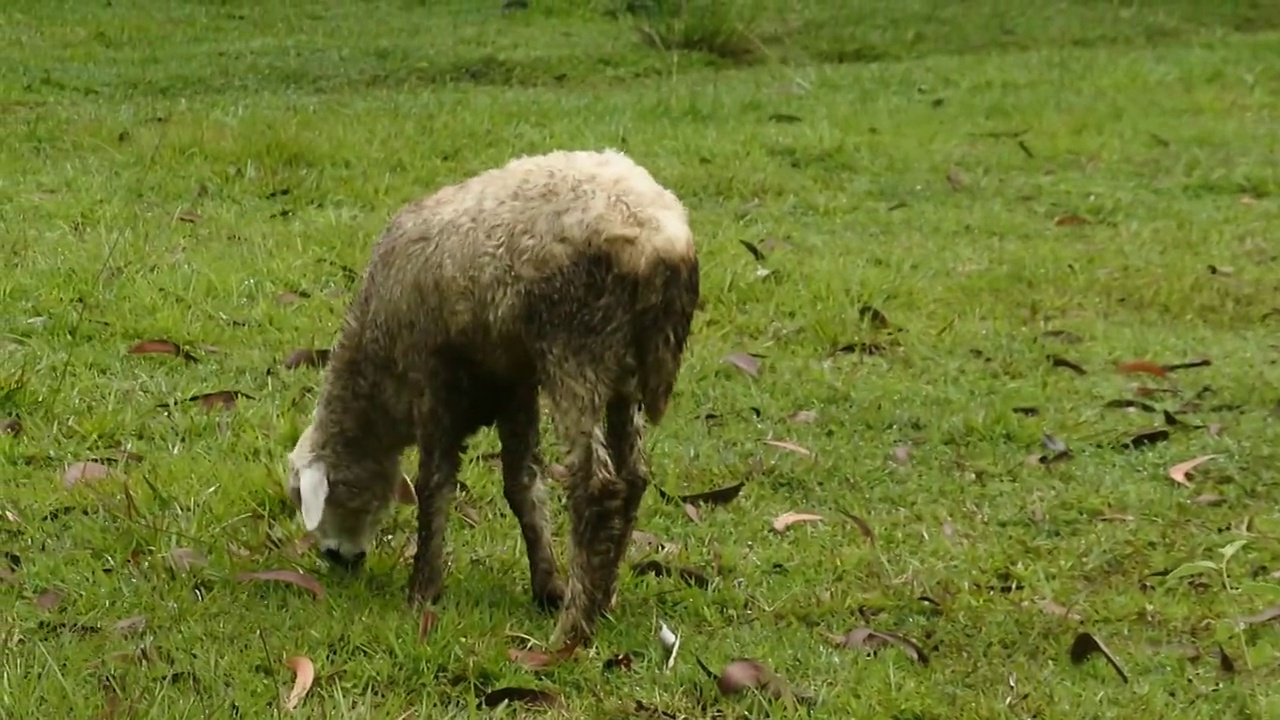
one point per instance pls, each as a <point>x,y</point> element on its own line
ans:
<point>170,170</point>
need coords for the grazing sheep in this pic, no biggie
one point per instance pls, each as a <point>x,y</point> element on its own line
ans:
<point>571,276</point>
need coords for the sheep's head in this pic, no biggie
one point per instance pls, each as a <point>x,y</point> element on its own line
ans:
<point>342,522</point>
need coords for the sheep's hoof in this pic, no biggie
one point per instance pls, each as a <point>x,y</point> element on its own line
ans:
<point>551,598</point>
<point>424,593</point>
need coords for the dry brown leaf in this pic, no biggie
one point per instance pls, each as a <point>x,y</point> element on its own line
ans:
<point>519,695</point>
<point>691,511</point>
<point>1116,517</point>
<point>803,416</point>
<point>48,600</point>
<point>745,674</point>
<point>788,445</point>
<point>1265,616</point>
<point>1143,366</point>
<point>289,297</point>
<point>1068,220</point>
<point>536,660</point>
<point>787,519</point>
<point>286,576</point>
<point>1052,608</point>
<point>185,559</point>
<point>1208,499</point>
<point>130,625</point>
<point>1086,644</point>
<point>719,496</point>
<point>872,640</point>
<point>161,347</point>
<point>187,215</point>
<point>745,362</point>
<point>304,673</point>
<point>1179,472</point>
<point>862,526</point>
<point>84,471</point>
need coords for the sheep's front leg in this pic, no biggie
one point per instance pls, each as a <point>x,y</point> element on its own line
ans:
<point>439,458</point>
<point>522,486</point>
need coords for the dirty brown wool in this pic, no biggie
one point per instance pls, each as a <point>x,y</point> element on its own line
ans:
<point>569,277</point>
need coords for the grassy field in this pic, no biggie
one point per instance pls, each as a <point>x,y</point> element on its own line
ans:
<point>940,227</point>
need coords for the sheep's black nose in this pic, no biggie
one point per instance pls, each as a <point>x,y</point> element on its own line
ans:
<point>347,563</point>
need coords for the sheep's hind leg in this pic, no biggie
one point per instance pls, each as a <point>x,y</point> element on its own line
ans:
<point>522,486</point>
<point>624,436</point>
<point>598,502</point>
<point>439,457</point>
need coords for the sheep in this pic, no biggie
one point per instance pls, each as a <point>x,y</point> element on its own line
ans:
<point>570,277</point>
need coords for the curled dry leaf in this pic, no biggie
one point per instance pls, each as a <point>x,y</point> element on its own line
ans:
<point>307,357</point>
<point>185,559</point>
<point>787,519</point>
<point>220,399</point>
<point>84,471</point>
<point>1179,472</point>
<point>721,496</point>
<point>1265,616</point>
<point>1059,361</point>
<point>1069,220</point>
<point>286,576</point>
<point>522,696</point>
<point>537,660</point>
<point>803,416</point>
<point>743,674</point>
<point>11,426</point>
<point>872,640</point>
<point>747,363</point>
<point>862,526</point>
<point>187,215</point>
<point>790,446</point>
<point>428,621</point>
<point>48,599</point>
<point>1144,367</point>
<point>304,673</point>
<point>130,625</point>
<point>1086,644</point>
<point>1144,438</point>
<point>161,347</point>
<point>1052,608</point>
<point>691,511</point>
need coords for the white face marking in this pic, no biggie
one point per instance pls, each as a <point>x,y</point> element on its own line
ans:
<point>308,487</point>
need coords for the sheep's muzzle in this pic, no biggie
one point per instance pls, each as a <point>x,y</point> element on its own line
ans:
<point>337,559</point>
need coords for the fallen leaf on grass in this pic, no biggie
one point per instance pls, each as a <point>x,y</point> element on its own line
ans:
<point>1130,404</point>
<point>711,497</point>
<point>304,673</point>
<point>787,519</point>
<point>1145,438</point>
<point>872,315</point>
<point>1069,220</point>
<point>955,178</point>
<point>790,446</point>
<point>537,660</point>
<point>130,625</point>
<point>162,347</point>
<point>742,674</point>
<point>755,251</point>
<point>1059,361</point>
<point>48,600</point>
<point>286,576</point>
<point>84,471</point>
<point>428,621</point>
<point>1063,336</point>
<point>185,559</point>
<point>289,297</point>
<point>307,357</point>
<point>1086,644</point>
<point>1142,366</point>
<point>747,363</point>
<point>691,511</point>
<point>689,575</point>
<point>11,426</point>
<point>860,348</point>
<point>803,416</point>
<point>224,399</point>
<point>1057,610</point>
<point>519,695</point>
<point>862,526</point>
<point>1225,663</point>
<point>1265,616</point>
<point>1179,472</point>
<point>621,661</point>
<point>647,540</point>
<point>872,640</point>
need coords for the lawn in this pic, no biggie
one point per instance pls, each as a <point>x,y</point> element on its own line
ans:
<point>976,276</point>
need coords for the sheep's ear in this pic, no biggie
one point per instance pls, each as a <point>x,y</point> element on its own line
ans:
<point>313,487</point>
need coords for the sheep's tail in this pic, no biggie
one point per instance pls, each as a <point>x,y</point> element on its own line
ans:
<point>668,297</point>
